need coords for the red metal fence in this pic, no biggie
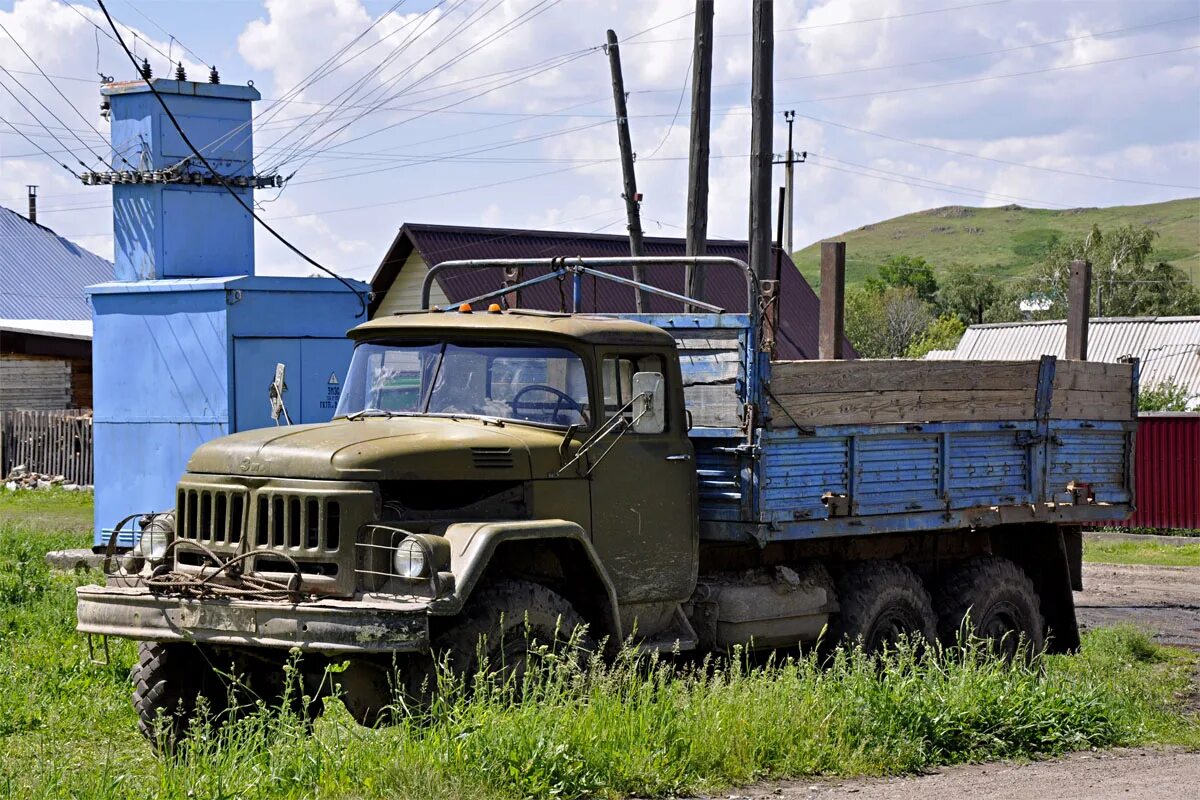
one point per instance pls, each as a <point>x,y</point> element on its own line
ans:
<point>1166,472</point>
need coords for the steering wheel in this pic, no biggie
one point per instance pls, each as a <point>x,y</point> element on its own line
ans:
<point>563,402</point>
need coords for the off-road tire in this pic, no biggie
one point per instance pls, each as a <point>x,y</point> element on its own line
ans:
<point>379,691</point>
<point>510,616</point>
<point>881,601</point>
<point>168,682</point>
<point>998,600</point>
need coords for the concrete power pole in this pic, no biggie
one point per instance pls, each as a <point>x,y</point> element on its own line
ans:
<point>697,202</point>
<point>761,102</point>
<point>789,184</point>
<point>632,198</point>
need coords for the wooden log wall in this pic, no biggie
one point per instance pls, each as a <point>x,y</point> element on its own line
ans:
<point>34,382</point>
<point>48,442</point>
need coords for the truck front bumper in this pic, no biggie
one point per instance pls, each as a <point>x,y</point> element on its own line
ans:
<point>326,626</point>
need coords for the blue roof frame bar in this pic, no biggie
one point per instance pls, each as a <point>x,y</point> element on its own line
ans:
<point>589,266</point>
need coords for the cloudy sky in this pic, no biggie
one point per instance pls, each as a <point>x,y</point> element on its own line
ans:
<point>499,112</point>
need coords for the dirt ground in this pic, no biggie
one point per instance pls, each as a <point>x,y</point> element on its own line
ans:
<point>1165,600</point>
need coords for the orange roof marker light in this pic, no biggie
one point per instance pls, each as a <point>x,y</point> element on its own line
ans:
<point>465,308</point>
<point>495,308</point>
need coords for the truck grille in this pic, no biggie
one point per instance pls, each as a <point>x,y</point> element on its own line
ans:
<point>217,517</point>
<point>211,517</point>
<point>284,525</point>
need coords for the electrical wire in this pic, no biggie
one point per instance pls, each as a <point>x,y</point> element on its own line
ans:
<point>524,18</point>
<point>175,38</point>
<point>1006,162</point>
<point>54,86</point>
<point>221,179</point>
<point>38,146</point>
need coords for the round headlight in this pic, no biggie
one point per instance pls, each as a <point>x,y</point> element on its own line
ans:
<point>409,559</point>
<point>155,537</point>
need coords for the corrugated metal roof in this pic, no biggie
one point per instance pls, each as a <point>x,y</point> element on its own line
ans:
<point>60,328</point>
<point>725,287</point>
<point>1168,347</point>
<point>42,275</point>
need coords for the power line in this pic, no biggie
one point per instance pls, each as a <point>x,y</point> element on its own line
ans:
<point>54,86</point>
<point>966,154</point>
<point>174,38</point>
<point>220,178</point>
<point>820,26</point>
<point>38,146</point>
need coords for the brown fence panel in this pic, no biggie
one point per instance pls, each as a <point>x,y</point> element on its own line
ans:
<point>48,442</point>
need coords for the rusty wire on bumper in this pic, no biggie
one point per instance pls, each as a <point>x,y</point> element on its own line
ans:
<point>329,625</point>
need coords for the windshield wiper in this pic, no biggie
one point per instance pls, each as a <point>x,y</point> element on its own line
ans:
<point>374,412</point>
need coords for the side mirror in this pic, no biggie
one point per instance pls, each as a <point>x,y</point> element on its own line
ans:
<point>650,402</point>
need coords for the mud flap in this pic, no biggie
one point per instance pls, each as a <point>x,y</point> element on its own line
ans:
<point>1041,551</point>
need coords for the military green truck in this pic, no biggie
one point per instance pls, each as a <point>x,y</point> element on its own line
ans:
<point>495,477</point>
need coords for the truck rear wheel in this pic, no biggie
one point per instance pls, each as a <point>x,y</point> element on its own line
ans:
<point>882,602</point>
<point>171,683</point>
<point>997,600</point>
<point>506,622</point>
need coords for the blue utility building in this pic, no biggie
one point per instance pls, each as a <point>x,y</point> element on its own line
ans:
<point>187,338</point>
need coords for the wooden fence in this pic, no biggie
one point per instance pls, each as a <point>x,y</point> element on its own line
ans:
<point>48,442</point>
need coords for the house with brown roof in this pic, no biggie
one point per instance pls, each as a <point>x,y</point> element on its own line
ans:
<point>396,285</point>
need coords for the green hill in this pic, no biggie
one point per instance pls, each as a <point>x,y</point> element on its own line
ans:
<point>1008,240</point>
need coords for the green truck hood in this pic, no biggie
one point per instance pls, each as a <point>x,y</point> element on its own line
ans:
<point>394,448</point>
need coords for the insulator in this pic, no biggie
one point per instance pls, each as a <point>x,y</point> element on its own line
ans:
<point>180,75</point>
<point>213,75</point>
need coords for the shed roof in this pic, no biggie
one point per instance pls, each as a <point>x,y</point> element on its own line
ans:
<point>724,286</point>
<point>1168,347</point>
<point>42,275</point>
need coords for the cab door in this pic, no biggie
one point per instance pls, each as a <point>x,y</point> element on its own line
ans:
<point>643,490</point>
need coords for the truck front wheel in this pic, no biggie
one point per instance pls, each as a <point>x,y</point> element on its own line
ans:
<point>882,602</point>
<point>997,600</point>
<point>504,624</point>
<point>171,683</point>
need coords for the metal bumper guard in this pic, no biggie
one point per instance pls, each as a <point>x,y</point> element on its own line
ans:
<point>328,625</point>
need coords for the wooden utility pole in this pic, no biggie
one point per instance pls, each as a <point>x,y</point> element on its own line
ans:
<point>761,157</point>
<point>1079,294</point>
<point>632,198</point>
<point>697,202</point>
<point>833,300</point>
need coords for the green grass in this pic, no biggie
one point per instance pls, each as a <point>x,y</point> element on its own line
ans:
<point>48,510</point>
<point>1006,241</point>
<point>636,727</point>
<point>1149,553</point>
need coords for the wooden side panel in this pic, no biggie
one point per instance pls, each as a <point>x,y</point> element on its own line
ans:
<point>866,391</point>
<point>1092,390</point>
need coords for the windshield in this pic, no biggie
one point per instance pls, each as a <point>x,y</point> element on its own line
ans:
<point>529,383</point>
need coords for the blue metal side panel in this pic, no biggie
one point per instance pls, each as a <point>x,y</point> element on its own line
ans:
<point>1091,453</point>
<point>190,246</point>
<point>795,473</point>
<point>137,467</point>
<point>718,473</point>
<point>137,239</point>
<point>990,467</point>
<point>160,388</point>
<point>894,473</point>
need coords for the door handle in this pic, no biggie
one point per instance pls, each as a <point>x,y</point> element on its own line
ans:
<point>680,457</point>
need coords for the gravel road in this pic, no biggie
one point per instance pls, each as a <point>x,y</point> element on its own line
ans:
<point>1165,600</point>
<point>1140,774</point>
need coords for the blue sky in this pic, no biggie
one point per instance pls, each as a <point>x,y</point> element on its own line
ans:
<point>499,112</point>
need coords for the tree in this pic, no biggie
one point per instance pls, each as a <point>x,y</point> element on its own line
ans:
<point>968,294</point>
<point>1167,395</point>
<point>906,271</point>
<point>942,334</point>
<point>883,324</point>
<point>1125,281</point>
